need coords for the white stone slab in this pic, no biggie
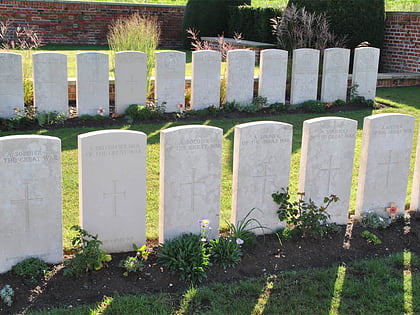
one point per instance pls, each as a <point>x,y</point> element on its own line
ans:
<point>50,82</point>
<point>365,71</point>
<point>384,162</point>
<point>112,187</point>
<point>170,80</point>
<point>11,84</point>
<point>240,76</point>
<point>30,200</point>
<point>326,163</point>
<point>130,79</point>
<point>261,167</point>
<point>415,191</point>
<point>205,83</point>
<point>335,74</point>
<point>190,177</point>
<point>273,75</point>
<point>304,85</point>
<point>92,83</point>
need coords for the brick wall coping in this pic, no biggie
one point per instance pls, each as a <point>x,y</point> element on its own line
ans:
<point>108,3</point>
<point>241,42</point>
<point>415,13</point>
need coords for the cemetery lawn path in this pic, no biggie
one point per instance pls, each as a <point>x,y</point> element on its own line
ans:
<point>265,260</point>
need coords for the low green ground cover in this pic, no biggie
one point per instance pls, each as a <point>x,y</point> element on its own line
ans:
<point>403,100</point>
<point>379,286</point>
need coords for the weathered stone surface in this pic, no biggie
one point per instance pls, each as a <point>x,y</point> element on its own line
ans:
<point>50,82</point>
<point>261,166</point>
<point>415,191</point>
<point>335,74</point>
<point>365,71</point>
<point>240,76</point>
<point>30,199</point>
<point>326,163</point>
<point>11,84</point>
<point>190,177</point>
<point>112,187</point>
<point>384,162</point>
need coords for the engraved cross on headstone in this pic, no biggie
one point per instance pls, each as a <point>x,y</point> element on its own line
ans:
<point>192,185</point>
<point>267,177</point>
<point>330,170</point>
<point>115,194</point>
<point>26,201</point>
<point>388,163</point>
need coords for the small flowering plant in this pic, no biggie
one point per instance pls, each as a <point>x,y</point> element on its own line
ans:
<point>101,111</point>
<point>226,251</point>
<point>181,108</point>
<point>205,229</point>
<point>136,263</point>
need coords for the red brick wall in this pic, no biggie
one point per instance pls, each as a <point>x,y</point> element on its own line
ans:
<point>401,52</point>
<point>87,22</point>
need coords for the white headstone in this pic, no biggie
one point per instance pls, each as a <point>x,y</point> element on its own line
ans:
<point>92,83</point>
<point>335,74</point>
<point>205,83</point>
<point>326,163</point>
<point>240,76</point>
<point>130,79</point>
<point>384,162</point>
<point>190,179</point>
<point>11,84</point>
<point>30,200</point>
<point>304,85</point>
<point>170,80</point>
<point>365,71</point>
<point>112,187</point>
<point>273,75</point>
<point>50,82</point>
<point>415,191</point>
<point>261,166</point>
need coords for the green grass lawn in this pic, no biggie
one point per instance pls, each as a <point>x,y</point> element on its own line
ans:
<point>404,100</point>
<point>380,286</point>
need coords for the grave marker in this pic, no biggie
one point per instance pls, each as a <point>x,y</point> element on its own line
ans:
<point>50,82</point>
<point>326,163</point>
<point>130,79</point>
<point>92,83</point>
<point>335,74</point>
<point>30,200</point>
<point>261,166</point>
<point>273,74</point>
<point>415,191</point>
<point>112,189</point>
<point>365,71</point>
<point>190,176</point>
<point>240,76</point>
<point>384,162</point>
<point>11,84</point>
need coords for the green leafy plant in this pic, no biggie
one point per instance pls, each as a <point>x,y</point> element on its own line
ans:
<point>226,251</point>
<point>136,263</point>
<point>6,294</point>
<point>31,268</point>
<point>277,107</point>
<point>50,118</point>
<point>374,221</point>
<point>371,238</point>
<point>185,255</point>
<point>88,256</point>
<point>139,112</point>
<point>313,106</point>
<point>96,117</point>
<point>308,218</point>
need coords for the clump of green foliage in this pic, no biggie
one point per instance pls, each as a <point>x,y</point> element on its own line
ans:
<point>31,268</point>
<point>144,112</point>
<point>6,295</point>
<point>373,220</point>
<point>308,219</point>
<point>313,106</point>
<point>371,238</point>
<point>88,256</point>
<point>186,255</point>
<point>136,263</point>
<point>50,118</point>
<point>226,251</point>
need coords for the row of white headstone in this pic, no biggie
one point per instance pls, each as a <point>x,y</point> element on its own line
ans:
<point>51,87</point>
<point>112,179</point>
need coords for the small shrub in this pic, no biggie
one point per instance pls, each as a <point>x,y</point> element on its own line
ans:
<point>97,117</point>
<point>139,112</point>
<point>373,220</point>
<point>136,263</point>
<point>50,118</point>
<point>226,252</point>
<point>371,238</point>
<point>339,103</point>
<point>307,217</point>
<point>277,107</point>
<point>229,107</point>
<point>243,229</point>
<point>6,295</point>
<point>185,255</point>
<point>31,268</point>
<point>313,106</point>
<point>88,255</point>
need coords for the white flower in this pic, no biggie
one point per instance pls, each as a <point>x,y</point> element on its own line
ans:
<point>239,241</point>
